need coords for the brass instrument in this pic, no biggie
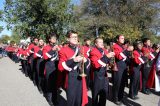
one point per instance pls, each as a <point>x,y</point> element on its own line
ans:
<point>113,64</point>
<point>82,74</point>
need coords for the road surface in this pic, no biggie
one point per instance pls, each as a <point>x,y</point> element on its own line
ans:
<point>18,90</point>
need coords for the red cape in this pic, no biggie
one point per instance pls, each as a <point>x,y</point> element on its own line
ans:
<point>84,92</point>
<point>151,77</point>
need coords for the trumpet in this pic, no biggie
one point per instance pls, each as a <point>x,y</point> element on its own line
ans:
<point>82,74</point>
<point>112,64</point>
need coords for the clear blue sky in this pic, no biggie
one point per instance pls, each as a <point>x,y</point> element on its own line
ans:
<point>9,32</point>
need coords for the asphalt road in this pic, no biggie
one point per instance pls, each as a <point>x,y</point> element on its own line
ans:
<point>18,90</point>
<point>15,88</point>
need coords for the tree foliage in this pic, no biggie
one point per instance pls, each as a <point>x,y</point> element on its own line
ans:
<point>15,35</point>
<point>132,18</point>
<point>38,17</point>
<point>106,18</point>
<point>1,18</point>
<point>4,39</point>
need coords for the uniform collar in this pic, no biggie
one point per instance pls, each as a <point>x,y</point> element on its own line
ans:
<point>86,45</point>
<point>138,50</point>
<point>100,49</point>
<point>52,44</point>
<point>121,45</point>
<point>72,46</point>
<point>145,46</point>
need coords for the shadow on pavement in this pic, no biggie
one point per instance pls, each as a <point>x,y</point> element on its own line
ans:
<point>126,101</point>
<point>62,101</point>
<point>155,93</point>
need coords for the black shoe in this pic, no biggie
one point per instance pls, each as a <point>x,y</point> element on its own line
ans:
<point>50,103</point>
<point>148,91</point>
<point>26,75</point>
<point>132,97</point>
<point>117,102</point>
<point>49,97</point>
<point>55,103</point>
<point>40,90</point>
<point>136,97</point>
<point>145,92</point>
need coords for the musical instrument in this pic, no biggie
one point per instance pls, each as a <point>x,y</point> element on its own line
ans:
<point>146,54</point>
<point>82,74</point>
<point>112,64</point>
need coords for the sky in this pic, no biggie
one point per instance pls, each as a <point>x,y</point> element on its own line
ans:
<point>9,32</point>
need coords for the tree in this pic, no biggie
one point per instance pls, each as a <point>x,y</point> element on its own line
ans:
<point>15,35</point>
<point>133,18</point>
<point>1,18</point>
<point>5,39</point>
<point>38,17</point>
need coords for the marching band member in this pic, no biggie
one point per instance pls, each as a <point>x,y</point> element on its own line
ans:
<point>50,56</point>
<point>154,75</point>
<point>86,51</point>
<point>69,61</point>
<point>39,63</point>
<point>137,61</point>
<point>99,59</point>
<point>156,49</point>
<point>22,53</point>
<point>149,57</point>
<point>119,76</point>
<point>30,53</point>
